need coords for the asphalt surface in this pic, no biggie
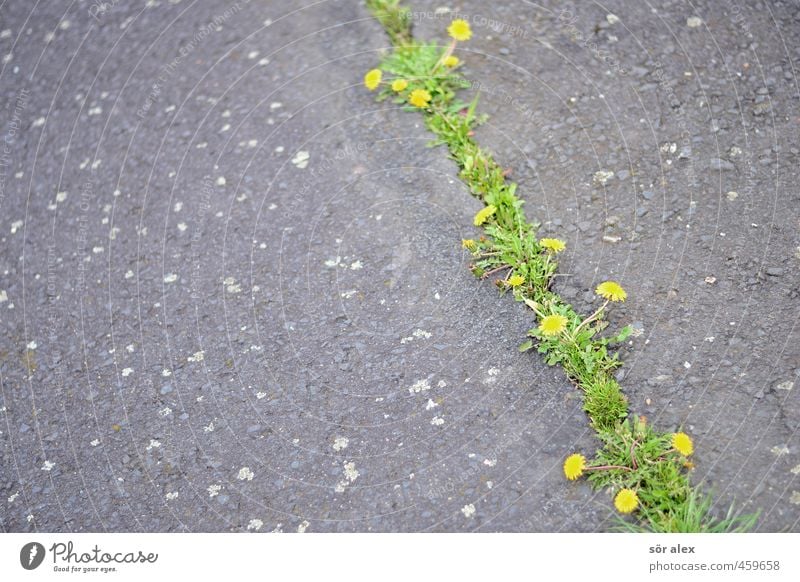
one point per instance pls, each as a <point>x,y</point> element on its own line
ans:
<point>232,293</point>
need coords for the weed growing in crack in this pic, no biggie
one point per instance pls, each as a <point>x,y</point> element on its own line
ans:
<point>646,471</point>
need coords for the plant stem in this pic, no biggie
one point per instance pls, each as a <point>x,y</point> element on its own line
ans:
<point>495,270</point>
<point>608,467</point>
<point>446,54</point>
<point>592,317</point>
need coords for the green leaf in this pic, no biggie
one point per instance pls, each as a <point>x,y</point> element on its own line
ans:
<point>525,346</point>
<point>471,110</point>
<point>623,334</point>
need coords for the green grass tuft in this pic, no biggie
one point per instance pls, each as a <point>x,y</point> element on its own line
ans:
<point>633,455</point>
<point>396,20</point>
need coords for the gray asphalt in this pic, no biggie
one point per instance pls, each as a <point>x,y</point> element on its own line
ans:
<point>232,293</point>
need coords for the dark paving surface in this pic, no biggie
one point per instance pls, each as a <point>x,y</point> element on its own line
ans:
<point>202,331</point>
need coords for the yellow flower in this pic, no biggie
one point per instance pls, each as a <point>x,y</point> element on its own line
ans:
<point>516,280</point>
<point>419,98</point>
<point>553,324</point>
<point>574,466</point>
<point>459,29</point>
<point>451,61</point>
<point>611,290</point>
<point>372,79</point>
<point>399,85</point>
<point>553,244</point>
<point>626,501</point>
<point>683,443</point>
<point>484,214</point>
<point>469,244</point>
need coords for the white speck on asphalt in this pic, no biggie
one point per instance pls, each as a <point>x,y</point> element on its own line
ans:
<point>301,159</point>
<point>779,451</point>
<point>602,177</point>
<point>419,386</point>
<point>350,471</point>
<point>340,443</point>
<point>245,474</point>
<point>231,285</point>
<point>468,510</point>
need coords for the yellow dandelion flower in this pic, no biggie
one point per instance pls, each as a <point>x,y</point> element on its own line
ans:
<point>469,244</point>
<point>451,61</point>
<point>682,443</point>
<point>626,501</point>
<point>484,214</point>
<point>372,79</point>
<point>574,466</point>
<point>611,290</point>
<point>516,280</point>
<point>553,244</point>
<point>399,85</point>
<point>419,98</point>
<point>459,29</point>
<point>553,324</point>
